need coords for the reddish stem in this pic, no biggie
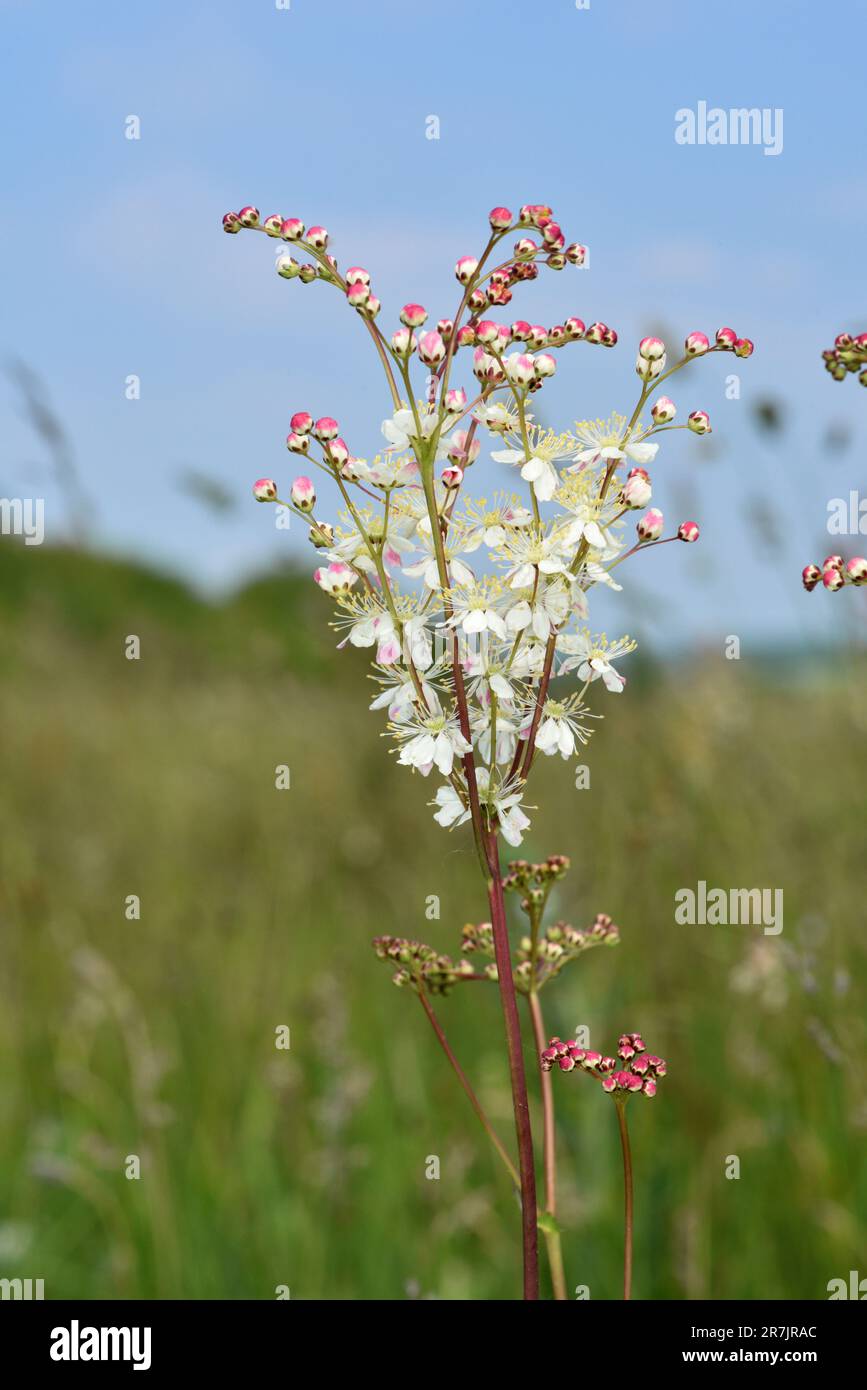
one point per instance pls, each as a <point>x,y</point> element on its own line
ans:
<point>508,998</point>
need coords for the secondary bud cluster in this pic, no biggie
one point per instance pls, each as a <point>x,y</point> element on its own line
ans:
<point>534,966</point>
<point>849,354</point>
<point>835,573</point>
<point>633,1069</point>
<point>419,965</point>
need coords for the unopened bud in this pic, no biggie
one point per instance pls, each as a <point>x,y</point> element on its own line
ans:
<point>688,531</point>
<point>650,526</point>
<point>265,490</point>
<point>303,494</point>
<point>663,410</point>
<point>699,422</point>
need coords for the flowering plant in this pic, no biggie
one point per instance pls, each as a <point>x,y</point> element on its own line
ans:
<point>473,607</point>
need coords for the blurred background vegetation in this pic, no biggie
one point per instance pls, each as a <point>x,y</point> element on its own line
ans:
<point>306,1167</point>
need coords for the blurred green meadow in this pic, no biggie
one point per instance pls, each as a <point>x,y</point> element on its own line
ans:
<point>306,1167</point>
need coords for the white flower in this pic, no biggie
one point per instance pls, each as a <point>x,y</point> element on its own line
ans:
<point>560,727</point>
<point>592,658</point>
<point>474,610</point>
<point>532,550</point>
<point>492,525</point>
<point>603,439</point>
<point>506,805</point>
<point>401,429</point>
<point>498,417</point>
<point>428,568</point>
<point>536,469</point>
<point>548,609</point>
<point>398,694</point>
<point>507,735</point>
<point>431,740</point>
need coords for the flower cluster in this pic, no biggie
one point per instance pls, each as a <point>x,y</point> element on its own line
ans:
<point>633,1069</point>
<point>420,965</point>
<point>835,573</point>
<point>849,354</point>
<point>473,606</point>
<point>540,960</point>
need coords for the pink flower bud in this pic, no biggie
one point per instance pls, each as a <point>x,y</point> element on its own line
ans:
<point>317,237</point>
<point>301,422</point>
<point>292,229</point>
<point>650,526</point>
<point>637,490</point>
<point>537,336</point>
<point>308,273</point>
<point>832,579</point>
<point>446,327</point>
<point>744,347</point>
<point>456,400</point>
<point>557,335</point>
<point>265,490</point>
<point>478,301</point>
<point>462,450</point>
<point>487,331</point>
<point>413,315</point>
<point>663,410</point>
<point>232,223</point>
<point>810,577</point>
<point>856,570</point>
<point>249,216</point>
<point>726,338</point>
<point>273,224</point>
<point>552,235</point>
<point>372,307</point>
<point>452,477</point>
<point>576,254</point>
<point>287,266</point>
<point>651,349</point>
<point>520,368</point>
<point>358,294</point>
<point>832,562</point>
<point>404,342</point>
<point>688,531</point>
<point>525,249</point>
<point>486,367</point>
<point>649,1087</point>
<point>574,328</point>
<point>303,494</point>
<point>609,1084</point>
<point>297,443</point>
<point>699,422</point>
<point>336,579</point>
<point>466,269</point>
<point>696,344</point>
<point>326,428</point>
<point>598,333</point>
<point>357,275</point>
<point>337,451</point>
<point>500,219</point>
<point>466,336</point>
<point>546,365</point>
<point>431,348</point>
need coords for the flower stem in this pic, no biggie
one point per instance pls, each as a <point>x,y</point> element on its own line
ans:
<point>468,1091</point>
<point>627,1188</point>
<point>508,998</point>
<point>552,1238</point>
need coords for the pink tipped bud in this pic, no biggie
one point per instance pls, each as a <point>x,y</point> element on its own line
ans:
<point>688,531</point>
<point>317,237</point>
<point>557,335</point>
<point>358,294</point>
<point>456,400</point>
<point>810,577</point>
<point>273,224</point>
<point>744,347</point>
<point>337,451</point>
<point>326,428</point>
<point>292,229</point>
<point>699,422</point>
<point>552,235</point>
<point>357,275</point>
<point>303,494</point>
<point>478,301</point>
<point>637,490</point>
<point>466,336</point>
<point>576,254</point>
<point>307,273</point>
<point>537,336</point>
<point>856,570</point>
<point>651,349</point>
<point>287,266</point>
<point>487,331</point>
<point>500,219</point>
<point>609,1084</point>
<point>650,526</point>
<point>453,476</point>
<point>546,365</point>
<point>833,562</point>
<point>372,307</point>
<point>232,223</point>
<point>336,579</point>
<point>832,579</point>
<point>466,268</point>
<point>446,327</point>
<point>404,342</point>
<point>574,328</point>
<point>696,344</point>
<point>525,249</point>
<point>249,217</point>
<point>297,443</point>
<point>462,450</point>
<point>413,315</point>
<point>520,368</point>
<point>301,422</point>
<point>726,338</point>
<point>431,348</point>
<point>663,410</point>
<point>265,490</point>
<point>649,1087</point>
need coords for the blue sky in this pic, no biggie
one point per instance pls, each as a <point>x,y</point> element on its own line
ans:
<point>116,262</point>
